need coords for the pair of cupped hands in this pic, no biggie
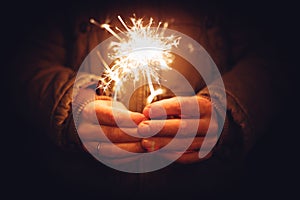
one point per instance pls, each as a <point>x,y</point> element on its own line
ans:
<point>150,130</point>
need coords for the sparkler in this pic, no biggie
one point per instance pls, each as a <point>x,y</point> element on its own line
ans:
<point>140,52</point>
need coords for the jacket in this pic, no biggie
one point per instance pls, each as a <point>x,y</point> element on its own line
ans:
<point>56,51</point>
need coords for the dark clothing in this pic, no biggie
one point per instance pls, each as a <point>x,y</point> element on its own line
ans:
<point>56,52</point>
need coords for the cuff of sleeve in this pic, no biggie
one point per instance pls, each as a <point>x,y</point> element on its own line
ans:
<point>70,140</point>
<point>229,145</point>
<point>84,96</point>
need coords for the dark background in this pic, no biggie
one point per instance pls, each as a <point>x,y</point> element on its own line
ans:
<point>270,170</point>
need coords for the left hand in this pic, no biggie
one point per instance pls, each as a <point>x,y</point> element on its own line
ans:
<point>166,129</point>
<point>102,135</point>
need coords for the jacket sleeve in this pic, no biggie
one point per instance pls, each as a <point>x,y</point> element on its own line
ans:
<point>46,83</point>
<point>250,99</point>
<point>250,94</point>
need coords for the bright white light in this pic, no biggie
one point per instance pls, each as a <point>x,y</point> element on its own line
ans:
<point>141,52</point>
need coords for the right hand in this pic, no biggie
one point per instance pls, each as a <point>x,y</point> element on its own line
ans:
<point>107,117</point>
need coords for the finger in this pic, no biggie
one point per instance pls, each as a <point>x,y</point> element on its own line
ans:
<point>92,132</point>
<point>114,150</point>
<point>193,106</point>
<point>170,127</point>
<point>178,144</point>
<point>112,114</point>
<point>186,158</point>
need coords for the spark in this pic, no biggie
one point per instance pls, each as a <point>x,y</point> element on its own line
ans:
<point>141,52</point>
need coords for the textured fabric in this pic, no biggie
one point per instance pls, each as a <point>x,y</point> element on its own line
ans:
<point>56,53</point>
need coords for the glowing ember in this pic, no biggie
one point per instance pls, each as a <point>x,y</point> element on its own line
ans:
<point>140,53</point>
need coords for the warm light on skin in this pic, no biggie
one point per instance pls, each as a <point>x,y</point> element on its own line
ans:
<point>141,52</point>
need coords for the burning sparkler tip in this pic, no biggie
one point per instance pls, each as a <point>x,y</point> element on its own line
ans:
<point>92,20</point>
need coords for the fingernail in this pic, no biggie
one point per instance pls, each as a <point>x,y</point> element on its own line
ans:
<point>144,129</point>
<point>149,145</point>
<point>146,112</point>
